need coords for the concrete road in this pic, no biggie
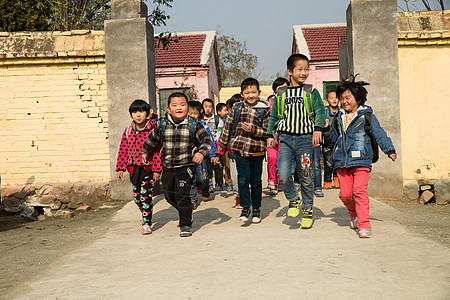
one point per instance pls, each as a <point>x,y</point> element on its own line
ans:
<point>226,259</point>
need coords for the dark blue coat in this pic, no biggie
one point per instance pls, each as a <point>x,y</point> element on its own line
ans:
<point>353,148</point>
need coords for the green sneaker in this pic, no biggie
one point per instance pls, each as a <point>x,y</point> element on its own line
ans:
<point>294,210</point>
<point>307,218</point>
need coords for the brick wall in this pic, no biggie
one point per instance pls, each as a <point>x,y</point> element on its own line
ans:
<point>54,108</point>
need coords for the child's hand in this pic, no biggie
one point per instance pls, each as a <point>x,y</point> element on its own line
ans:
<point>317,137</point>
<point>327,123</point>
<point>270,143</point>
<point>198,158</point>
<point>156,176</point>
<point>393,156</point>
<point>120,175</point>
<point>144,158</point>
<point>215,160</point>
<point>247,127</point>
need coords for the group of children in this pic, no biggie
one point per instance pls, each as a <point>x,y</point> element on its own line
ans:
<point>191,143</point>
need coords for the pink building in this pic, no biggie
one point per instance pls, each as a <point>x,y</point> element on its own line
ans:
<point>320,43</point>
<point>188,64</point>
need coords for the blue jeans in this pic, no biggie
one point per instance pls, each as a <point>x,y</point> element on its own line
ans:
<point>201,176</point>
<point>328,162</point>
<point>317,169</point>
<point>249,172</point>
<point>296,151</point>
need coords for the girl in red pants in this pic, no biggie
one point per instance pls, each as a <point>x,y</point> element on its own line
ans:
<point>353,127</point>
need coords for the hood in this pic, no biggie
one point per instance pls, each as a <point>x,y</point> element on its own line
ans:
<point>361,110</point>
<point>260,103</point>
<point>148,125</point>
<point>185,121</point>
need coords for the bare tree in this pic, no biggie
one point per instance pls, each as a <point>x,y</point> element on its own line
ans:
<point>410,5</point>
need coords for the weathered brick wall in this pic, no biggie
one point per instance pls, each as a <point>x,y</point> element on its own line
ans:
<point>53,108</point>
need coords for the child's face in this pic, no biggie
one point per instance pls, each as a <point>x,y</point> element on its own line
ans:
<point>193,112</point>
<point>300,72</point>
<point>251,94</point>
<point>178,108</point>
<point>332,100</point>
<point>208,107</point>
<point>223,112</point>
<point>348,102</point>
<point>140,117</point>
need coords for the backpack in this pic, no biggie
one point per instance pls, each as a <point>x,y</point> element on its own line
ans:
<point>367,123</point>
<point>307,90</point>
<point>237,108</point>
<point>216,120</point>
<point>192,128</point>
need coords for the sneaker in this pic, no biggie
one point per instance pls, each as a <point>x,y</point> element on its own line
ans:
<point>297,186</point>
<point>326,185</point>
<point>146,229</point>
<point>365,232</point>
<point>336,182</point>
<point>185,231</point>
<point>245,214</point>
<point>219,187</point>
<point>256,216</point>
<point>238,203</point>
<point>318,193</point>
<point>229,187</point>
<point>293,210</point>
<point>354,223</point>
<point>205,196</point>
<point>211,188</point>
<point>273,192</point>
<point>307,218</point>
<point>195,204</point>
<point>272,186</point>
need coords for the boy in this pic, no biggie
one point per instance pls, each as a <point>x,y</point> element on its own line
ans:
<point>212,121</point>
<point>301,118</point>
<point>245,132</point>
<point>185,142</point>
<point>222,111</point>
<point>328,145</point>
<point>201,172</point>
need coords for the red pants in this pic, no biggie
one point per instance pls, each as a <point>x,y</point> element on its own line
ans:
<point>353,182</point>
<point>272,156</point>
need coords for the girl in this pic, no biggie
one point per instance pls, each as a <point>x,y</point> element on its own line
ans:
<point>142,176</point>
<point>353,151</point>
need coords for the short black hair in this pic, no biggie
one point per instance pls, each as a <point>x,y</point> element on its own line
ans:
<point>139,105</point>
<point>278,82</point>
<point>355,87</point>
<point>233,100</point>
<point>220,106</point>
<point>177,95</point>
<point>207,100</point>
<point>249,82</point>
<point>294,58</point>
<point>195,105</point>
<point>328,93</point>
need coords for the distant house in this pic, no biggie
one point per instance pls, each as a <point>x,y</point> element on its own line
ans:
<point>189,64</point>
<point>320,43</point>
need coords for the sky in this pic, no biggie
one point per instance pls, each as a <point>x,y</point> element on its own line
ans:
<point>265,25</point>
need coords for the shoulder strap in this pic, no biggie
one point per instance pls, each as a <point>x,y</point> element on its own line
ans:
<point>162,126</point>
<point>307,90</point>
<point>336,123</point>
<point>373,142</point>
<point>260,113</point>
<point>281,96</point>
<point>368,121</point>
<point>216,120</point>
<point>128,131</point>
<point>237,108</point>
<point>193,129</point>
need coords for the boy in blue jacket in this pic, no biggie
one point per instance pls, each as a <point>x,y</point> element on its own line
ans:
<point>353,151</point>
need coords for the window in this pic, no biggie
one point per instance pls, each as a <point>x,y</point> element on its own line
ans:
<point>329,86</point>
<point>164,95</point>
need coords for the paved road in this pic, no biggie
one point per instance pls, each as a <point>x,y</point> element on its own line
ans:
<point>226,259</point>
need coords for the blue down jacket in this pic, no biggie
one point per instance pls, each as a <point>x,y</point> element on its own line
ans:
<point>353,148</point>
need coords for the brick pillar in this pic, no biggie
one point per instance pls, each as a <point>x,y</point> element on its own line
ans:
<point>130,75</point>
<point>372,50</point>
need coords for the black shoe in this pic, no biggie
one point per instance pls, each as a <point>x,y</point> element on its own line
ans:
<point>256,216</point>
<point>195,204</point>
<point>185,231</point>
<point>245,214</point>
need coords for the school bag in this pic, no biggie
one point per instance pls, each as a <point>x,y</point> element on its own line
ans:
<point>373,142</point>
<point>192,122</point>
<point>307,91</point>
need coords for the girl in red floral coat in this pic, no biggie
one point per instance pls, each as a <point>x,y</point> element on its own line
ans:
<point>142,176</point>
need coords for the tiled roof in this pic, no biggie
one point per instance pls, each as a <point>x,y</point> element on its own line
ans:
<point>186,52</point>
<point>324,41</point>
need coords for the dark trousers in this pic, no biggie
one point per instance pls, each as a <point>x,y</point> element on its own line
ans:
<point>177,183</point>
<point>328,164</point>
<point>218,171</point>
<point>249,173</point>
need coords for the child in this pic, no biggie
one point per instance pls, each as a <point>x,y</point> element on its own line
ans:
<point>353,151</point>
<point>328,145</point>
<point>222,111</point>
<point>272,153</point>
<point>201,172</point>
<point>185,143</point>
<point>212,121</point>
<point>247,139</point>
<point>142,176</point>
<point>301,116</point>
